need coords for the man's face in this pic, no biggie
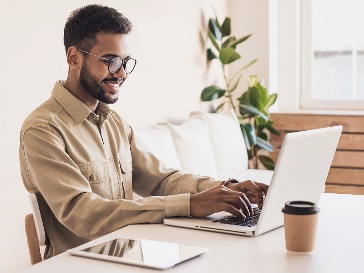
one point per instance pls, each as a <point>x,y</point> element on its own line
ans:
<point>94,77</point>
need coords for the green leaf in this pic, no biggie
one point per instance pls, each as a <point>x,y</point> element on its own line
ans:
<point>216,20</point>
<point>212,38</point>
<point>249,64</point>
<point>228,55</point>
<point>263,94</point>
<point>245,108</point>
<point>236,42</point>
<point>217,24</point>
<point>212,92</point>
<point>254,96</point>
<point>262,135</point>
<point>226,27</point>
<point>248,132</point>
<point>260,123</point>
<point>263,123</point>
<point>252,81</point>
<point>214,29</point>
<point>267,162</point>
<point>263,144</point>
<point>271,100</point>
<point>210,54</point>
<point>244,98</point>
<point>227,41</point>
<point>245,136</point>
<point>271,129</point>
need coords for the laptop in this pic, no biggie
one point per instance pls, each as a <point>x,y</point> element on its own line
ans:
<point>300,174</point>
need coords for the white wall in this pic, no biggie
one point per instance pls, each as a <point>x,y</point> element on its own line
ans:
<point>169,41</point>
<point>251,17</point>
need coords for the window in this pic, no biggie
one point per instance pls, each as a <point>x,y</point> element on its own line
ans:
<point>332,54</point>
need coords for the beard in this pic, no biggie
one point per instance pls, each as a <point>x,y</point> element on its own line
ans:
<point>94,87</point>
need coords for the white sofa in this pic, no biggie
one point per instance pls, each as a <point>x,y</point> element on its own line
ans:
<point>206,144</point>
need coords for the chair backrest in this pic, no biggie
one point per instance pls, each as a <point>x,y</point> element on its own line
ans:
<point>32,239</point>
<point>34,230</point>
<point>38,222</point>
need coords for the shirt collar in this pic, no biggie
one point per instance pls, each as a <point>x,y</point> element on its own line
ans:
<point>74,107</point>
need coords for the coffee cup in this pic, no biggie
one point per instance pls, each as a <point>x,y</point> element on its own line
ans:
<point>300,221</point>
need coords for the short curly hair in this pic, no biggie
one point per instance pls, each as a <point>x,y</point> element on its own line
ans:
<point>84,23</point>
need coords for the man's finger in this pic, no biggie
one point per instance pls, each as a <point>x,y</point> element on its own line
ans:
<point>246,204</point>
<point>263,186</point>
<point>257,191</point>
<point>234,211</point>
<point>238,200</point>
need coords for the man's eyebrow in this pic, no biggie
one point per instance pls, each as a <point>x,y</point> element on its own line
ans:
<point>110,55</point>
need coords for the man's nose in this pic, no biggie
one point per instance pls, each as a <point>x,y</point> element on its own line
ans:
<point>120,74</point>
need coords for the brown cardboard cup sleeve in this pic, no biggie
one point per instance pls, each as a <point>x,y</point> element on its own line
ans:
<point>300,222</point>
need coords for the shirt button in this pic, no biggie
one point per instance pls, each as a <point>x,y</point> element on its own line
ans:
<point>91,177</point>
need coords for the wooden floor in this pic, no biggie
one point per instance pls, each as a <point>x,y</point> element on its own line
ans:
<point>347,170</point>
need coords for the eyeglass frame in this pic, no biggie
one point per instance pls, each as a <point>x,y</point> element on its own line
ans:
<point>109,61</point>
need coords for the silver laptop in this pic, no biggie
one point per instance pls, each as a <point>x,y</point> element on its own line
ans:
<point>300,174</point>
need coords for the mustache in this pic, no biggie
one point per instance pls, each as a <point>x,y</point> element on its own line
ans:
<point>118,80</point>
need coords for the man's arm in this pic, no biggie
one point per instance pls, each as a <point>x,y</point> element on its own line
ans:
<point>47,168</point>
<point>207,194</point>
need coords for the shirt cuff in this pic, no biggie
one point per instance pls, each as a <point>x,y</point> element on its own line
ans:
<point>213,184</point>
<point>177,205</point>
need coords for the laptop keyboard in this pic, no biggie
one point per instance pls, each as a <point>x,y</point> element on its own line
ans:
<point>233,220</point>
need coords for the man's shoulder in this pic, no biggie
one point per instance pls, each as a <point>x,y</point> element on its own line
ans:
<point>43,114</point>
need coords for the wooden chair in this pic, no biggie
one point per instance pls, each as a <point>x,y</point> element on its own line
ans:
<point>34,230</point>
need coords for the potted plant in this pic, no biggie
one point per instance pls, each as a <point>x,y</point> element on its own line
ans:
<point>252,107</point>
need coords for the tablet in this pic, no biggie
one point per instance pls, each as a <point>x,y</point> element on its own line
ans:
<point>140,252</point>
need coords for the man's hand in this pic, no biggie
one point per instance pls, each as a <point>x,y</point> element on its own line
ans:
<point>233,198</point>
<point>255,191</point>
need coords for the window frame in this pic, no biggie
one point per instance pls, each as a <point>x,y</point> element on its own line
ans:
<point>306,102</point>
<point>295,58</point>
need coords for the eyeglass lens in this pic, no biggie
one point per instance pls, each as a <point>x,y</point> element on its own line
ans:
<point>117,63</point>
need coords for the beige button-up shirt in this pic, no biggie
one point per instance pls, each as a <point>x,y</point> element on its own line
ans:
<point>85,167</point>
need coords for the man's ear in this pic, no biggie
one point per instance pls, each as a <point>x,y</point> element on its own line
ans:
<point>73,59</point>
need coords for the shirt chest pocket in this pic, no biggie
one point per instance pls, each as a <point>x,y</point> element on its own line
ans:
<point>126,166</point>
<point>126,163</point>
<point>97,175</point>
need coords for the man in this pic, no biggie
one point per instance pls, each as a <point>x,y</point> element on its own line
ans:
<point>83,161</point>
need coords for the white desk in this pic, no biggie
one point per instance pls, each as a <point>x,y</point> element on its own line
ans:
<point>339,246</point>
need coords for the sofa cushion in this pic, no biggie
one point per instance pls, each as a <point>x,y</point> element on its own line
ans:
<point>158,140</point>
<point>193,146</point>
<point>227,143</point>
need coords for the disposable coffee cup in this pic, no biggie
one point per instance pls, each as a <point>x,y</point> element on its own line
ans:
<point>300,222</point>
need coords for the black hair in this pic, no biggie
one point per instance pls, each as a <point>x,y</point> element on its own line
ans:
<point>84,23</point>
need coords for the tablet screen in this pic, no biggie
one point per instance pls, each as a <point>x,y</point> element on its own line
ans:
<point>149,253</point>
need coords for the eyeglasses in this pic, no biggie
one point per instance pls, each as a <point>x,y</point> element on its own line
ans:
<point>115,63</point>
